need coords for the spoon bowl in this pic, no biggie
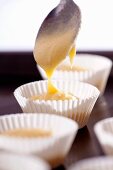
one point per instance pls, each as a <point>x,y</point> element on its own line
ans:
<point>56,36</point>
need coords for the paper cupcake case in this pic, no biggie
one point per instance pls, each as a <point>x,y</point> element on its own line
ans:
<point>98,163</point>
<point>11,161</point>
<point>97,70</point>
<point>104,133</point>
<point>52,149</point>
<point>78,110</point>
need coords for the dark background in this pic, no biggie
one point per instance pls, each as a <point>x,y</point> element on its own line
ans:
<point>17,68</point>
<point>19,64</point>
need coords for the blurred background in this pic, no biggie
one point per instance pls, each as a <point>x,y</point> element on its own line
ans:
<point>21,19</point>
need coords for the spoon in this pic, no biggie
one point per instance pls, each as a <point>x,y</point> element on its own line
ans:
<point>56,36</point>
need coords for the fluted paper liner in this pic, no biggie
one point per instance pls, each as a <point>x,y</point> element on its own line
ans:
<point>104,133</point>
<point>11,161</point>
<point>98,163</point>
<point>53,149</point>
<point>78,110</point>
<point>97,70</point>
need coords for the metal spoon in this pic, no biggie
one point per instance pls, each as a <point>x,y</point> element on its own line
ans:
<point>57,34</point>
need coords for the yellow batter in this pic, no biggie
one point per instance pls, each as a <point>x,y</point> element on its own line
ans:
<point>72,54</point>
<point>67,67</point>
<point>49,53</point>
<point>31,133</point>
<point>54,96</point>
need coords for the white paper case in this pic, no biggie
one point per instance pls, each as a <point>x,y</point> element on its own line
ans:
<point>97,70</point>
<point>98,163</point>
<point>78,110</point>
<point>104,133</point>
<point>53,149</point>
<point>11,161</point>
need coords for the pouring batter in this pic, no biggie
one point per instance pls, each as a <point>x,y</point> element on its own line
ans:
<point>56,38</point>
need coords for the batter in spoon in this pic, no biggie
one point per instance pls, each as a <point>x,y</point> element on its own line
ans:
<point>56,38</point>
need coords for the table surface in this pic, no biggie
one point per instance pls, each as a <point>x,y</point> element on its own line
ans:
<point>85,144</point>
